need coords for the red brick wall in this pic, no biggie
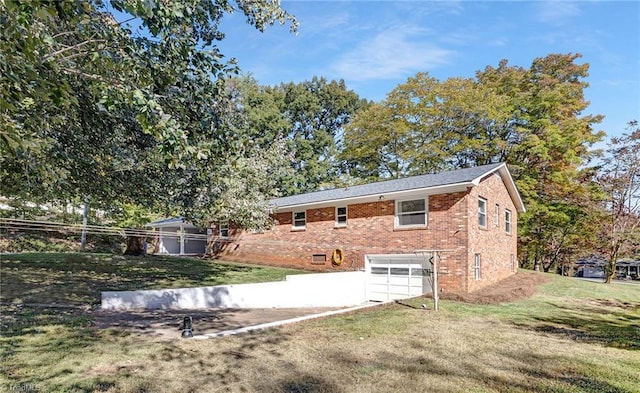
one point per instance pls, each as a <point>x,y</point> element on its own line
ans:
<point>493,243</point>
<point>370,230</point>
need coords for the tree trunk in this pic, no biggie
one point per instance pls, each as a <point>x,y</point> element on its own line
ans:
<point>609,271</point>
<point>135,246</point>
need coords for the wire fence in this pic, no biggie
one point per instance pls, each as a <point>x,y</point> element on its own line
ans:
<point>21,225</point>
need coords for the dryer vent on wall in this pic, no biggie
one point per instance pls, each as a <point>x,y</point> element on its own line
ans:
<point>319,259</point>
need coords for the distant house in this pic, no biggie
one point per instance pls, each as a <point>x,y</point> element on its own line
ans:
<point>593,267</point>
<point>469,215</point>
<point>177,237</point>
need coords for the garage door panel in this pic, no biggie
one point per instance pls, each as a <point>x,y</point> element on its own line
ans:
<point>379,280</point>
<point>396,280</point>
<point>399,271</point>
<point>379,287</point>
<point>396,277</point>
<point>402,290</point>
<point>380,270</point>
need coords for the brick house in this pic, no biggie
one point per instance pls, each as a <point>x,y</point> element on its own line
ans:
<point>471,214</point>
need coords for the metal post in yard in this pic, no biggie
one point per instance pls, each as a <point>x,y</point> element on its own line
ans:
<point>85,213</point>
<point>434,260</point>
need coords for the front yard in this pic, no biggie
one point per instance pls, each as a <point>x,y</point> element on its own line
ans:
<point>78,279</point>
<point>570,336</point>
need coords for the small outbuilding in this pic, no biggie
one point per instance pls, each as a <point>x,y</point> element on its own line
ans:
<point>177,237</point>
<point>594,266</point>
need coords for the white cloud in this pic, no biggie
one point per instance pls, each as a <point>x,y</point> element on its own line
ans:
<point>556,11</point>
<point>391,54</point>
<point>500,41</point>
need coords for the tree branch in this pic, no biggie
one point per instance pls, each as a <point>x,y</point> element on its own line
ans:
<point>68,48</point>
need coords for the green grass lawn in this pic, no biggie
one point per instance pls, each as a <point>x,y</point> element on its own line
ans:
<point>571,336</point>
<point>75,278</point>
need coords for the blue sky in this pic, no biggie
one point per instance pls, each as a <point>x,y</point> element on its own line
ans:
<point>376,45</point>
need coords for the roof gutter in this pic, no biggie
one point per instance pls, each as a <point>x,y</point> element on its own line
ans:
<point>458,187</point>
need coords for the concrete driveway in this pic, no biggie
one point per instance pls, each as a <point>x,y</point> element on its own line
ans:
<point>207,323</point>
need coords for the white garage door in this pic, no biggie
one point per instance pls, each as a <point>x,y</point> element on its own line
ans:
<point>393,277</point>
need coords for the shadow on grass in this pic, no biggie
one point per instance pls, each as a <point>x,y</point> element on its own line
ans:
<point>47,335</point>
<point>80,278</point>
<point>617,327</point>
<point>35,339</point>
<point>308,384</point>
<point>18,320</point>
<point>270,344</point>
<point>169,324</point>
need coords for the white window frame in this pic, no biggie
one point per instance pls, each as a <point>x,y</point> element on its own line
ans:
<point>222,228</point>
<point>482,212</point>
<point>294,220</point>
<point>425,212</point>
<point>345,215</point>
<point>496,218</point>
<point>507,221</point>
<point>476,267</point>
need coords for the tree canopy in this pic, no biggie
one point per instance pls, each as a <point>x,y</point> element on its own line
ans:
<point>619,178</point>
<point>90,107</point>
<point>532,118</point>
<point>309,117</point>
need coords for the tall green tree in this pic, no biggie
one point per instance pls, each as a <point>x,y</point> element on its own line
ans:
<point>532,118</point>
<point>620,179</point>
<point>426,126</point>
<point>556,141</point>
<point>316,111</point>
<point>309,116</point>
<point>89,107</point>
<point>375,145</point>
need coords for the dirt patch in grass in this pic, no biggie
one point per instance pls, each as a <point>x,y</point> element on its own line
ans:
<point>516,287</point>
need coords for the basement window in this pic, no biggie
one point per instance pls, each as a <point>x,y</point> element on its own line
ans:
<point>476,267</point>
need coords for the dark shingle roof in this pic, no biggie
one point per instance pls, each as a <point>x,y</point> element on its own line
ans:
<point>166,222</point>
<point>410,183</point>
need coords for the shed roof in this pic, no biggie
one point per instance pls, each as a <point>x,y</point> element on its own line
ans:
<point>467,177</point>
<point>170,222</point>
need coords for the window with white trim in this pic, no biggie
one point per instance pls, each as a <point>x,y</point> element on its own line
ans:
<point>507,220</point>
<point>341,216</point>
<point>299,220</point>
<point>496,216</point>
<point>482,212</point>
<point>476,266</point>
<point>411,213</point>
<point>223,228</point>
